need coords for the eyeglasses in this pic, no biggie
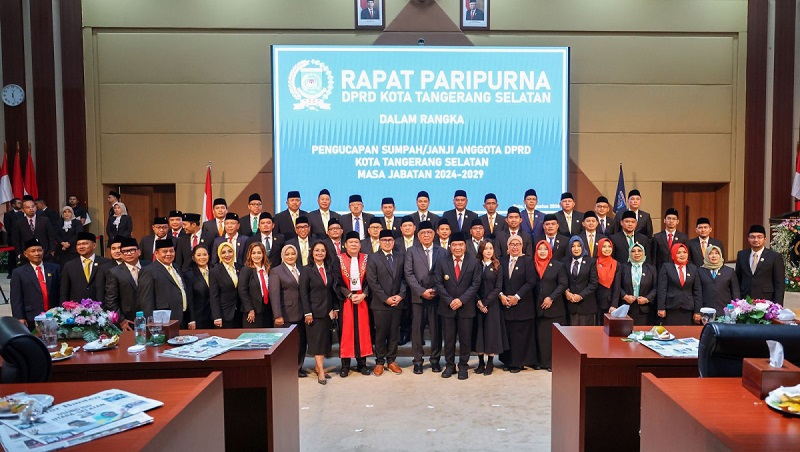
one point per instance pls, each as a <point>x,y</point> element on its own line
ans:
<point>129,250</point>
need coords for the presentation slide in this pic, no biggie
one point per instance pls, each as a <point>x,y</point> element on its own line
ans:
<point>384,121</point>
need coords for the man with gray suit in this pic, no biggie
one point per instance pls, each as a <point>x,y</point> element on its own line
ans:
<point>419,267</point>
<point>121,282</point>
<point>319,218</point>
<point>161,287</point>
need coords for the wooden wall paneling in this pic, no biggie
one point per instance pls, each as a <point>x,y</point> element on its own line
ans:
<point>783,109</point>
<point>755,120</point>
<point>13,50</point>
<point>44,100</point>
<point>73,99</point>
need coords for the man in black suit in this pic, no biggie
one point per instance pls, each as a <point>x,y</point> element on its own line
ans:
<point>557,241</point>
<point>334,242</point>
<point>570,221</point>
<point>474,13</point>
<point>492,221</point>
<point>357,220</point>
<point>215,227</point>
<point>443,231</point>
<point>319,218</point>
<point>661,251</point>
<point>627,236</point>
<point>50,214</point>
<point>175,221</point>
<point>607,225</point>
<point>407,237</point>
<point>388,288</point>
<point>457,279</point>
<point>272,242</point>
<point>9,218</point>
<point>698,245</point>
<point>760,271</point>
<point>370,12</point>
<point>114,249</point>
<point>460,218</point>
<point>248,224</point>
<point>161,287</point>
<point>532,219</point>
<point>185,245</point>
<point>372,243</point>
<point>419,268</point>
<point>514,222</point>
<point>32,226</point>
<point>285,220</point>
<point>388,220</point>
<point>644,224</point>
<point>590,234</point>
<point>148,243</point>
<point>121,282</point>
<point>233,237</point>
<point>34,286</point>
<point>422,213</point>
<point>81,278</point>
<point>475,238</point>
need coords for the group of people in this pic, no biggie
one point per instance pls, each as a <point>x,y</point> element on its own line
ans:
<point>492,284</point>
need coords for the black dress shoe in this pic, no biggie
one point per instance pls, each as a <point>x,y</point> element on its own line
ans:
<point>403,339</point>
<point>489,368</point>
<point>365,370</point>
<point>344,372</point>
<point>448,372</point>
<point>418,369</point>
<point>549,369</point>
<point>537,367</point>
<point>514,370</point>
<point>463,373</point>
<point>480,369</point>
<point>302,373</point>
<point>436,367</point>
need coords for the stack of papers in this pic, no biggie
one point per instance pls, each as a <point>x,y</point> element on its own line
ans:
<point>205,348</point>
<point>78,421</point>
<point>676,348</point>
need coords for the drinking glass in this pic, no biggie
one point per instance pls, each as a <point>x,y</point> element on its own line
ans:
<point>155,327</point>
<point>707,315</point>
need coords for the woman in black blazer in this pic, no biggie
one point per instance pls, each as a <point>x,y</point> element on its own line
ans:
<point>197,290</point>
<point>284,296</point>
<point>320,305</point>
<point>120,223</point>
<point>550,307</point>
<point>490,333</point>
<point>609,273</point>
<point>67,235</point>
<point>718,283</point>
<point>580,295</point>
<point>253,288</point>
<point>519,280</point>
<point>638,286</point>
<point>222,281</point>
<point>679,294</point>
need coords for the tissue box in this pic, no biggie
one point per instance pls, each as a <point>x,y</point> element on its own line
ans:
<point>617,327</point>
<point>172,329</point>
<point>760,378</point>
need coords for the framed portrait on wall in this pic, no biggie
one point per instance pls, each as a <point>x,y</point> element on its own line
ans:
<point>369,14</point>
<point>474,14</point>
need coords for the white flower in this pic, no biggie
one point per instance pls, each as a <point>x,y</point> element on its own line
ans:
<point>762,306</point>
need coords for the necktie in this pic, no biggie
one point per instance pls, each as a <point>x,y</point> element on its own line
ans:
<point>254,228</point>
<point>713,274</point>
<point>294,218</point>
<point>267,245</point>
<point>87,269</point>
<point>530,219</point>
<point>511,263</point>
<point>703,247</point>
<point>135,275</point>
<point>325,220</point>
<point>205,275</point>
<point>357,226</point>
<point>680,275</point>
<point>491,224</point>
<point>338,246</point>
<point>473,14</point>
<point>295,274</point>
<point>180,285</point>
<point>264,289</point>
<point>603,225</point>
<point>304,252</point>
<point>375,245</point>
<point>322,274</point>
<point>232,274</point>
<point>575,264</point>
<point>460,220</point>
<point>630,240</point>
<point>230,239</point>
<point>175,234</point>
<point>569,223</point>
<point>388,224</point>
<point>513,233</point>
<point>591,244</point>
<point>458,269</point>
<point>194,241</point>
<point>43,286</point>
<point>371,16</point>
<point>669,240</point>
<point>754,264</point>
<point>33,225</point>
<point>428,257</point>
<point>551,242</point>
<point>219,227</point>
<point>391,262</point>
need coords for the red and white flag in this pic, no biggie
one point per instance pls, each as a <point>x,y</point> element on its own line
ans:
<point>16,181</point>
<point>6,194</point>
<point>31,188</point>
<point>796,182</point>
<point>208,199</point>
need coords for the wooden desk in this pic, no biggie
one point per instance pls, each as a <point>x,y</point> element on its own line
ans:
<point>710,414</point>
<point>261,389</point>
<point>596,382</point>
<point>191,405</point>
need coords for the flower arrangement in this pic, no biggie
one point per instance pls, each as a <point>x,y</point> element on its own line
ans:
<point>755,311</point>
<point>784,237</point>
<point>86,319</point>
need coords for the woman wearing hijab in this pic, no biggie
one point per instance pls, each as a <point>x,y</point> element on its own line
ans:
<point>254,288</point>
<point>609,272</point>
<point>120,223</point>
<point>718,282</point>
<point>582,276</point>
<point>223,280</point>
<point>518,300</point>
<point>67,235</point>
<point>197,289</point>
<point>638,286</point>
<point>284,296</point>
<point>320,305</point>
<point>679,292</point>
<point>550,307</point>
<point>490,334</point>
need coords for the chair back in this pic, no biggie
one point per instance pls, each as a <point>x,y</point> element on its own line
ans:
<point>25,357</point>
<point>723,346</point>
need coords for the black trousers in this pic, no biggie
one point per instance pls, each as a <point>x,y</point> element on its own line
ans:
<point>425,314</point>
<point>387,334</point>
<point>461,326</point>
<point>405,320</point>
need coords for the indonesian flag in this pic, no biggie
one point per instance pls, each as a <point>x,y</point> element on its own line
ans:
<point>6,194</point>
<point>208,199</point>
<point>796,182</point>
<point>16,181</point>
<point>30,177</point>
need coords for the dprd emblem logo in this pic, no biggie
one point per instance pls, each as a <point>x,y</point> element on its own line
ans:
<point>311,83</point>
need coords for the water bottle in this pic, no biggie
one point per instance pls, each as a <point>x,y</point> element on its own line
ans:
<point>729,318</point>
<point>140,329</point>
<point>50,332</point>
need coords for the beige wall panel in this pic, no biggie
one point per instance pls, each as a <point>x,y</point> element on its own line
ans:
<point>674,59</point>
<point>163,159</point>
<point>200,57</point>
<point>651,109</point>
<point>206,108</point>
<point>598,156</point>
<point>189,196</point>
